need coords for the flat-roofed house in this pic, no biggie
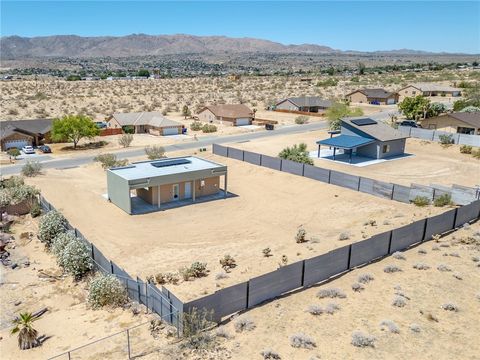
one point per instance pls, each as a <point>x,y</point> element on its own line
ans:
<point>145,122</point>
<point>372,96</point>
<point>457,122</point>
<point>159,182</point>
<point>363,136</point>
<point>20,133</point>
<point>227,114</point>
<point>312,104</point>
<point>428,89</point>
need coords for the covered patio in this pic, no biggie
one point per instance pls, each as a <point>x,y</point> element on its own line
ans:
<point>347,143</point>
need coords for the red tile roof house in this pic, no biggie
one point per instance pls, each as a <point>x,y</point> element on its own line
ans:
<point>227,114</point>
<point>372,96</point>
<point>145,122</point>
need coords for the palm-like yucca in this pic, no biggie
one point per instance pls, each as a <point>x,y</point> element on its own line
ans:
<point>27,335</point>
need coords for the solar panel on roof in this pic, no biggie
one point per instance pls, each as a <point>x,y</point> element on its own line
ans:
<point>362,122</point>
<point>173,162</point>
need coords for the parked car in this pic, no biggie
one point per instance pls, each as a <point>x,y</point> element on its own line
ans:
<point>101,124</point>
<point>45,149</point>
<point>411,123</point>
<point>28,149</point>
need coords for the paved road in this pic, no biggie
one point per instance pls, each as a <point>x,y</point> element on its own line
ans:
<point>65,163</point>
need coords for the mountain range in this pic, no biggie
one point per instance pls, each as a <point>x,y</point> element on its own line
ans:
<point>16,47</point>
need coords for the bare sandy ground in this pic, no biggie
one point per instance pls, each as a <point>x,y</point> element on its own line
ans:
<point>268,209</point>
<point>69,322</point>
<point>431,163</point>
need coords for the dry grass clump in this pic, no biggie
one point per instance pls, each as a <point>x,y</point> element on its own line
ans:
<point>443,267</point>
<point>391,269</point>
<point>390,326</point>
<point>365,278</point>
<point>357,287</point>
<point>223,333</point>
<point>331,293</point>
<point>415,328</point>
<point>315,310</point>
<point>244,324</point>
<point>344,236</point>
<point>421,266</point>
<point>450,307</point>
<point>422,251</point>
<point>457,276</point>
<point>301,340</point>
<point>332,308</point>
<point>269,354</point>
<point>399,255</point>
<point>360,339</point>
<point>399,301</point>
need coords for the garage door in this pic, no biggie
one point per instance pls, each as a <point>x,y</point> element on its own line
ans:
<point>243,121</point>
<point>170,131</point>
<point>390,101</point>
<point>16,144</point>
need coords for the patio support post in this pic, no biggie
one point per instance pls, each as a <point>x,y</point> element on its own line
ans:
<point>319,150</point>
<point>225,188</point>
<point>334,150</point>
<point>194,182</point>
<point>351,152</point>
<point>158,196</point>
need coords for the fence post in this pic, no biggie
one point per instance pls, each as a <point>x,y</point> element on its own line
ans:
<point>93,252</point>
<point>128,344</point>
<point>146,295</point>
<point>69,358</point>
<point>111,267</point>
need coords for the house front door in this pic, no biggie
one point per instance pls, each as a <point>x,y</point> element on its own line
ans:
<point>175,192</point>
<point>188,190</point>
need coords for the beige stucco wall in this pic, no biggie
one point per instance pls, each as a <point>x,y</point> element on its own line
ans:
<point>409,91</point>
<point>358,97</point>
<point>206,116</point>
<point>446,123</point>
<point>113,123</point>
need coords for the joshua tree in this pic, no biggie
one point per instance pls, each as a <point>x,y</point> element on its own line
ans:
<point>27,335</point>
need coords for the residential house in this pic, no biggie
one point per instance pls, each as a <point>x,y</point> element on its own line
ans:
<point>457,122</point>
<point>145,122</point>
<point>313,104</point>
<point>428,89</point>
<point>363,136</point>
<point>19,133</point>
<point>227,114</point>
<point>372,96</point>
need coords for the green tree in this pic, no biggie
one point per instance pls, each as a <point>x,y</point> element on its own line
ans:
<point>414,107</point>
<point>338,111</point>
<point>143,72</point>
<point>296,153</point>
<point>73,128</point>
<point>436,109</point>
<point>361,68</point>
<point>186,111</point>
<point>13,152</point>
<point>27,335</point>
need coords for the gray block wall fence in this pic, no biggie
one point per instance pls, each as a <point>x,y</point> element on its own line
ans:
<point>460,195</point>
<point>434,135</point>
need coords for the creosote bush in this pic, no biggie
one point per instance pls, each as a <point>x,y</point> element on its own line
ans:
<point>360,339</point>
<point>196,270</point>
<point>155,152</point>
<point>391,269</point>
<point>31,169</point>
<point>302,119</point>
<point>269,354</point>
<point>443,200</point>
<point>421,201</point>
<point>51,224</point>
<point>106,290</point>
<point>300,237</point>
<point>109,161</point>
<point>244,324</point>
<point>331,293</point>
<point>196,126</point>
<point>209,128</point>
<point>315,310</point>
<point>228,263</point>
<point>466,149</point>
<point>357,287</point>
<point>390,326</point>
<point>75,258</point>
<point>365,278</point>
<point>399,301</point>
<point>301,340</point>
<point>398,255</point>
<point>125,140</point>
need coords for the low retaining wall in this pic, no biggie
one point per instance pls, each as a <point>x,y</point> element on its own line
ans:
<point>22,208</point>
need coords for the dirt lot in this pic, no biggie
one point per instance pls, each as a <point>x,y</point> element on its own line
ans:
<point>69,322</point>
<point>430,164</point>
<point>268,209</point>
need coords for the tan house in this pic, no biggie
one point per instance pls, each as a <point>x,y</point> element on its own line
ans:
<point>145,122</point>
<point>227,114</point>
<point>372,96</point>
<point>457,122</point>
<point>312,104</point>
<point>428,89</point>
<point>20,133</point>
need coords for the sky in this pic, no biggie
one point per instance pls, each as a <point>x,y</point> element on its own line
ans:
<point>439,26</point>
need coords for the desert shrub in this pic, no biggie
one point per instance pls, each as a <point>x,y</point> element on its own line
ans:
<point>51,224</point>
<point>269,354</point>
<point>422,251</point>
<point>267,252</point>
<point>155,152</point>
<point>244,324</point>
<point>302,119</point>
<point>200,341</point>
<point>365,278</point>
<point>457,276</point>
<point>13,152</point>
<point>13,191</point>
<point>443,200</point>
<point>300,236</point>
<point>109,161</point>
<point>391,269</point>
<point>360,339</point>
<point>344,236</point>
<point>454,254</point>
<point>450,307</point>
<point>221,276</point>
<point>443,267</point>
<point>421,201</point>
<point>297,153</point>
<point>415,328</point>
<point>301,340</point>
<point>357,287</point>
<point>331,308</point>
<point>283,260</point>
<point>35,209</point>
<point>31,169</point>
<point>390,326</point>
<point>60,241</point>
<point>315,310</point>
<point>106,290</point>
<point>228,262</point>
<point>331,293</point>
<point>399,255</point>
<point>399,301</point>
<point>125,140</point>
<point>446,139</point>
<point>196,126</point>
<point>222,332</point>
<point>195,320</point>
<point>209,128</point>
<point>167,278</point>
<point>75,258</point>
<point>466,149</point>
<point>421,266</point>
<point>196,270</point>
<point>476,153</point>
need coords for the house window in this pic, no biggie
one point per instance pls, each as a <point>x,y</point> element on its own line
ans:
<point>202,183</point>
<point>386,149</point>
<point>414,92</point>
<point>465,130</point>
